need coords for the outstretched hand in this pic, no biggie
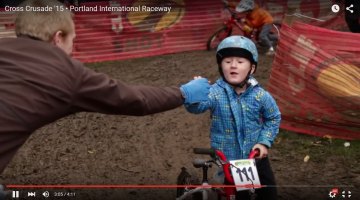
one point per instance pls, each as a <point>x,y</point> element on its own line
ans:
<point>196,90</point>
<point>263,150</point>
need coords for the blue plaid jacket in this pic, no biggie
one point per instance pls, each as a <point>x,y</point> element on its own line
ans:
<point>238,122</point>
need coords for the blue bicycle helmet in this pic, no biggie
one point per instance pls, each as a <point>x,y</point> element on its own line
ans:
<point>238,46</point>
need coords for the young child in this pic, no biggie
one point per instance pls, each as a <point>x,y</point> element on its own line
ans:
<point>243,115</point>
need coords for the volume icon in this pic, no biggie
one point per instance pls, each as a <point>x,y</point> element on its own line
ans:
<point>46,194</point>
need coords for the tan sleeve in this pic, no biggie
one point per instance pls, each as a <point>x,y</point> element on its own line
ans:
<point>97,92</point>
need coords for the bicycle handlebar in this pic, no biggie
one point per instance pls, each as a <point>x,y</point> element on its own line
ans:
<point>231,10</point>
<point>197,163</point>
<point>205,151</point>
<point>211,152</point>
<point>254,153</point>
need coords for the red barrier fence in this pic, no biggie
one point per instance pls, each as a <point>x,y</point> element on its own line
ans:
<point>315,78</point>
<point>127,32</point>
<point>130,34</point>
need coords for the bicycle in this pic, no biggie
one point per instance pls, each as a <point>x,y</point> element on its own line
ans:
<point>204,191</point>
<point>239,22</point>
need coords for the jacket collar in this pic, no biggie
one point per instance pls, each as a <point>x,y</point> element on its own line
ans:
<point>29,37</point>
<point>252,81</point>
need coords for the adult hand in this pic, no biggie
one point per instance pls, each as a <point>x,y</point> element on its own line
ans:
<point>195,91</point>
<point>263,150</point>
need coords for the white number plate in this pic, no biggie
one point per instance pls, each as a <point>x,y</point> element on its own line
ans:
<point>245,174</point>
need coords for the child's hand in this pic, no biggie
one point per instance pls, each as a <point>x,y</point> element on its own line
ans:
<point>198,77</point>
<point>195,91</point>
<point>263,150</point>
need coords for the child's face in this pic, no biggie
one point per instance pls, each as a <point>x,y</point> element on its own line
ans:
<point>235,69</point>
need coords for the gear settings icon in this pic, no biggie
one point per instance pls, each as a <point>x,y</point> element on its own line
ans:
<point>333,193</point>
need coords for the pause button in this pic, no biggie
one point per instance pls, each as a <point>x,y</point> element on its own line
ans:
<point>15,194</point>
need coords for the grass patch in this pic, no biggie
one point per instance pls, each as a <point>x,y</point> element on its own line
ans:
<point>318,148</point>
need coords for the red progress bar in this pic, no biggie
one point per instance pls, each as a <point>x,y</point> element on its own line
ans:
<point>128,186</point>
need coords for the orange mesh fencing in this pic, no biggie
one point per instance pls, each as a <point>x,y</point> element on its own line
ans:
<point>315,78</point>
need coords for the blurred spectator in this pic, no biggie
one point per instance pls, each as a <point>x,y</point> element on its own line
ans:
<point>258,18</point>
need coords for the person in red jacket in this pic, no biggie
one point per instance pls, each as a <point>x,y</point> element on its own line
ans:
<point>258,18</point>
<point>40,82</point>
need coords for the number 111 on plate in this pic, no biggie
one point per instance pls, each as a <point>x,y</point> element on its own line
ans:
<point>245,174</point>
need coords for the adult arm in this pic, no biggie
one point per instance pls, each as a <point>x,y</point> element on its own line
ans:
<point>97,92</point>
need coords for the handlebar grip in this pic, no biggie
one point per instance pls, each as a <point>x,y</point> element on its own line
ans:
<point>254,153</point>
<point>205,151</point>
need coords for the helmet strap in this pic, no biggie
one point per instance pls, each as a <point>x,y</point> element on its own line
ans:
<point>244,82</point>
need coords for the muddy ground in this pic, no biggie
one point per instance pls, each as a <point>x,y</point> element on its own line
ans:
<point>97,149</point>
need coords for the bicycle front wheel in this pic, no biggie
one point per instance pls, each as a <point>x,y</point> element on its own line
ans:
<point>184,178</point>
<point>217,37</point>
<point>187,193</point>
